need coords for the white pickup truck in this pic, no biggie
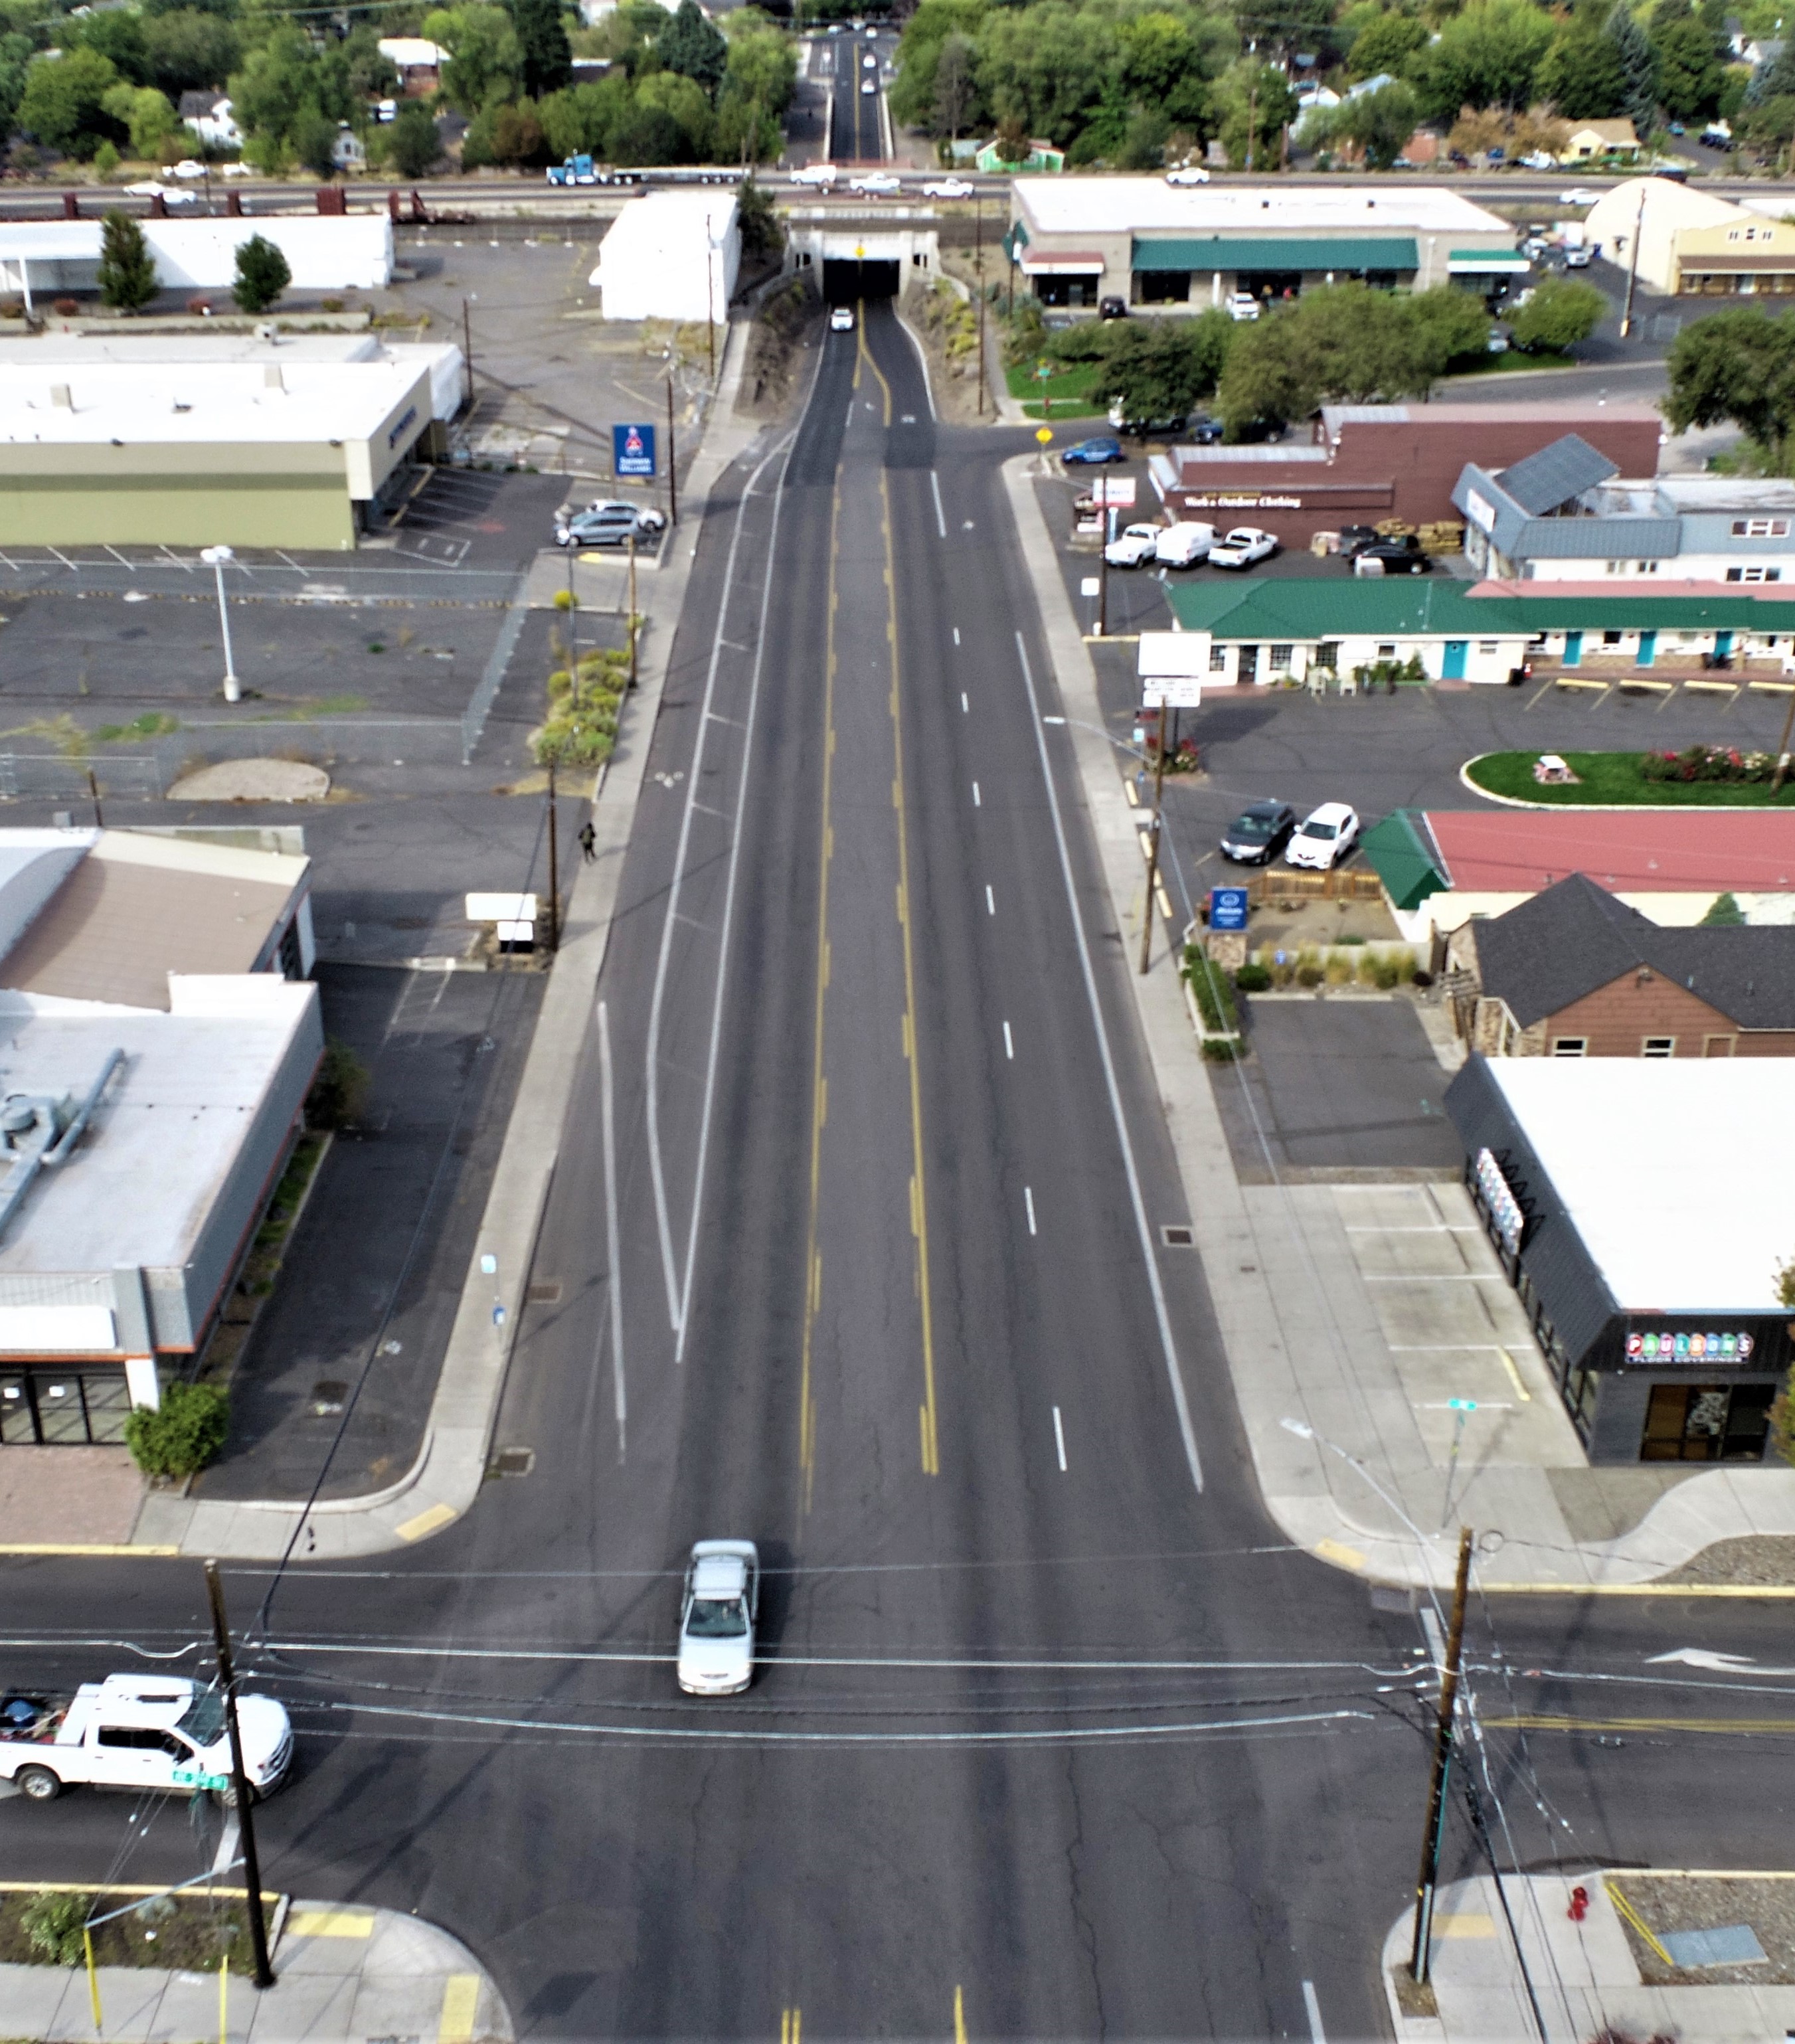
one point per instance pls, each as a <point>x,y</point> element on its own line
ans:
<point>142,1732</point>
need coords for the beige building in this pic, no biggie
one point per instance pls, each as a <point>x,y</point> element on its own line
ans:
<point>1691,244</point>
<point>1599,138</point>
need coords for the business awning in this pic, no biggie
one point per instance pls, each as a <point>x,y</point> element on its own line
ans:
<point>1274,252</point>
<point>1063,262</point>
<point>1472,262</point>
<point>1737,265</point>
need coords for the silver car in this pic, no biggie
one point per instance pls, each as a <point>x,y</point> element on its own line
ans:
<point>716,1616</point>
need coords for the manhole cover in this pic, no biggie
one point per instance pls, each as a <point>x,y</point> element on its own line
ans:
<point>513,1462</point>
<point>1177,1238</point>
<point>545,1292</point>
<point>328,1397</point>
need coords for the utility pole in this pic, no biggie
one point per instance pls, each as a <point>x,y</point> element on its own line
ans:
<point>1103,569</point>
<point>1153,839</point>
<point>264,1975</point>
<point>632,608</point>
<point>1252,100</point>
<point>672,463</point>
<point>100,821</point>
<point>1425,1880</point>
<point>710,299</point>
<point>554,915</point>
<point>1633,267</point>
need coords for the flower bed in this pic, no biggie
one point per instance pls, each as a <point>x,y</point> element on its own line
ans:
<point>1702,776</point>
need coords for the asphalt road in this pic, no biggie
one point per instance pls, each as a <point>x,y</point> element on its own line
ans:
<point>1053,1744</point>
<point>858,135</point>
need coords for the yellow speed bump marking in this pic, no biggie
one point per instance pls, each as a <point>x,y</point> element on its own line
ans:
<point>461,1996</point>
<point>330,1923</point>
<point>432,1520</point>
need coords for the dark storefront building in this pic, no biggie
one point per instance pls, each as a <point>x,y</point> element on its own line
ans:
<point>1646,1264</point>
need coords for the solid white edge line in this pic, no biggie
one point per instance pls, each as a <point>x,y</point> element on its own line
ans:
<point>748,718</point>
<point>940,515</point>
<point>669,1266</point>
<point>1160,1312</point>
<point>990,901</point>
<point>1059,1439</point>
<point>1028,1201</point>
<point>225,1857</point>
<point>1317,2034</point>
<point>614,1285</point>
<point>1010,1042</point>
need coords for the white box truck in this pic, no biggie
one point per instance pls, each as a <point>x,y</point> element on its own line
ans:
<point>141,1732</point>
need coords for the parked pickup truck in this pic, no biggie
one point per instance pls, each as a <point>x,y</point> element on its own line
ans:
<point>142,1732</point>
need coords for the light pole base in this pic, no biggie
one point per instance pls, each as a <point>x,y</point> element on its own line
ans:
<point>233,688</point>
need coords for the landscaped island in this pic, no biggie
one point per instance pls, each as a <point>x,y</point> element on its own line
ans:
<point>1700,776</point>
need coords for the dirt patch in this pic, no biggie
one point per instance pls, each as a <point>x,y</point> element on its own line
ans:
<point>1413,1997</point>
<point>777,340</point>
<point>189,1932</point>
<point>1761,1558</point>
<point>1666,1903</point>
<point>948,327</point>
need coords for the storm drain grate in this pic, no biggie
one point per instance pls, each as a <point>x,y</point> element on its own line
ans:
<point>512,1461</point>
<point>545,1292</point>
<point>1177,1238</point>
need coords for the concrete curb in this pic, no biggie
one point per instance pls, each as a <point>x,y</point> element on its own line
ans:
<point>450,1468</point>
<point>342,1973</point>
<point>1315,1498</point>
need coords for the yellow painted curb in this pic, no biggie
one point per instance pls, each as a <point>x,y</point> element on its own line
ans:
<point>431,1520</point>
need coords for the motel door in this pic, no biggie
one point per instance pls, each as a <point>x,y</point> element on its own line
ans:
<point>1452,660</point>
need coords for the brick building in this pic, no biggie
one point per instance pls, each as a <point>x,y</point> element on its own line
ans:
<point>1576,972</point>
<point>1367,463</point>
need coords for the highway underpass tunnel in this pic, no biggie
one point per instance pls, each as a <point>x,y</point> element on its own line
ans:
<point>845,280</point>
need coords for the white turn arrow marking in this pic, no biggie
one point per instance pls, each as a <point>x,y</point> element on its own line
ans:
<point>1725,1664</point>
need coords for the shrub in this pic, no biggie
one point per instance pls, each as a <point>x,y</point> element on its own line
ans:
<point>339,1090</point>
<point>53,1924</point>
<point>1310,973</point>
<point>331,305</point>
<point>66,308</point>
<point>1215,996</point>
<point>1252,979</point>
<point>182,1433</point>
<point>1707,763</point>
<point>262,274</point>
<point>126,275</point>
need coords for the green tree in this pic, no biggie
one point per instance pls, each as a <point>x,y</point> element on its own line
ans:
<point>1286,26</point>
<point>1046,66</point>
<point>126,275</point>
<point>486,63</point>
<point>1159,369</point>
<point>15,59</point>
<point>957,87</point>
<point>117,35</point>
<point>650,135</point>
<point>287,87</point>
<point>690,46</point>
<point>762,234</point>
<point>187,50</point>
<point>1381,122</point>
<point>1255,101</point>
<point>149,118</point>
<point>542,38</point>
<point>586,118</point>
<point>1689,70</point>
<point>683,101</point>
<point>262,274</point>
<point>64,103</point>
<point>179,1437</point>
<point>1452,326</point>
<point>312,137</point>
<point>1558,313</point>
<point>1639,96</point>
<point>1737,368</point>
<point>1583,74</point>
<point>919,54</point>
<point>1724,913</point>
<point>55,1925</point>
<point>1487,55</point>
<point>412,144</point>
<point>1385,43</point>
<point>761,66</point>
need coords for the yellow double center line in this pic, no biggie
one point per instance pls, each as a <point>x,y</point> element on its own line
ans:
<point>919,1195</point>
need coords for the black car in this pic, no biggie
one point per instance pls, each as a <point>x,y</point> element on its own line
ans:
<point>1205,431</point>
<point>1165,428</point>
<point>1398,556</point>
<point>1257,836</point>
<point>1108,309</point>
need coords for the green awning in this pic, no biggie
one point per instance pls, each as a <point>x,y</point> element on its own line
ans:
<point>1462,262</point>
<point>1343,251</point>
<point>1402,857</point>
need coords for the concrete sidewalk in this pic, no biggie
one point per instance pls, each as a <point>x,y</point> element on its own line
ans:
<point>343,1975</point>
<point>446,1477</point>
<point>1582,1977</point>
<point>1355,1311</point>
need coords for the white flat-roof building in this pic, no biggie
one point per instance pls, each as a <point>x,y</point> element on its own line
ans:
<point>278,451</point>
<point>671,255</point>
<point>352,252</point>
<point>1151,243</point>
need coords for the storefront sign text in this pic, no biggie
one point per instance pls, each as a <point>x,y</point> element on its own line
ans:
<point>1504,1212</point>
<point>1690,1348</point>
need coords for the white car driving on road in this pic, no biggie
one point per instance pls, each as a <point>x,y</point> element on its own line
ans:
<point>1243,546</point>
<point>814,174</point>
<point>1189,175</point>
<point>1325,837</point>
<point>841,320</point>
<point>716,1616</point>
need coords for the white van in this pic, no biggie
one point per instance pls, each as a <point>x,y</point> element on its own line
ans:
<point>1183,545</point>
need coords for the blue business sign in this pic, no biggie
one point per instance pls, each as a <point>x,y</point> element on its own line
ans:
<point>1228,907</point>
<point>632,450</point>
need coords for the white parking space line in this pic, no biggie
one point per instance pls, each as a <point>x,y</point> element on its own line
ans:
<point>1059,1440</point>
<point>976,803</point>
<point>1009,1047</point>
<point>956,635</point>
<point>1317,2034</point>
<point>966,708</point>
<point>226,1847</point>
<point>1028,1201</point>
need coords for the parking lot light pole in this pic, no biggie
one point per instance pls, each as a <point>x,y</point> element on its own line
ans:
<point>215,558</point>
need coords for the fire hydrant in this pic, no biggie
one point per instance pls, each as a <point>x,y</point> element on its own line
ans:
<point>1579,1904</point>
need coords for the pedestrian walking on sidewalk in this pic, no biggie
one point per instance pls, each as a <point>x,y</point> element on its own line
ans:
<point>588,840</point>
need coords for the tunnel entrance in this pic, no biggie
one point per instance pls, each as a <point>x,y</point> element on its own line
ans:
<point>844,280</point>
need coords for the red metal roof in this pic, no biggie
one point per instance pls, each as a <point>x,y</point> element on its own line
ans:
<point>1631,851</point>
<point>1763,592</point>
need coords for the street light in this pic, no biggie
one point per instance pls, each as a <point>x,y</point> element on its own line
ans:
<point>215,558</point>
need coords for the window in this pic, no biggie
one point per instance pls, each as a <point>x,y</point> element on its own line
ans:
<point>1328,653</point>
<point>1281,659</point>
<point>1760,528</point>
<point>1659,1046</point>
<point>1732,234</point>
<point>1486,646</point>
<point>1387,652</point>
<point>1610,638</point>
<point>1570,1047</point>
<point>1753,574</point>
<point>1718,1046</point>
<point>1645,567</point>
<point>1218,657</point>
<point>1615,568</point>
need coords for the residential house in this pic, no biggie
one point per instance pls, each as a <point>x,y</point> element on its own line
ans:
<point>1599,138</point>
<point>209,116</point>
<point>418,62</point>
<point>1576,972</point>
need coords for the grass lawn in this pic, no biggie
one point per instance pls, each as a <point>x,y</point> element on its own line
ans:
<point>1068,389</point>
<point>1615,778</point>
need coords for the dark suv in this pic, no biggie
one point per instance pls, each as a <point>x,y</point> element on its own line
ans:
<point>1257,836</point>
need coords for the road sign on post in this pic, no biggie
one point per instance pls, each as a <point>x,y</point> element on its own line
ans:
<point>1171,692</point>
<point>632,450</point>
<point>1228,907</point>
